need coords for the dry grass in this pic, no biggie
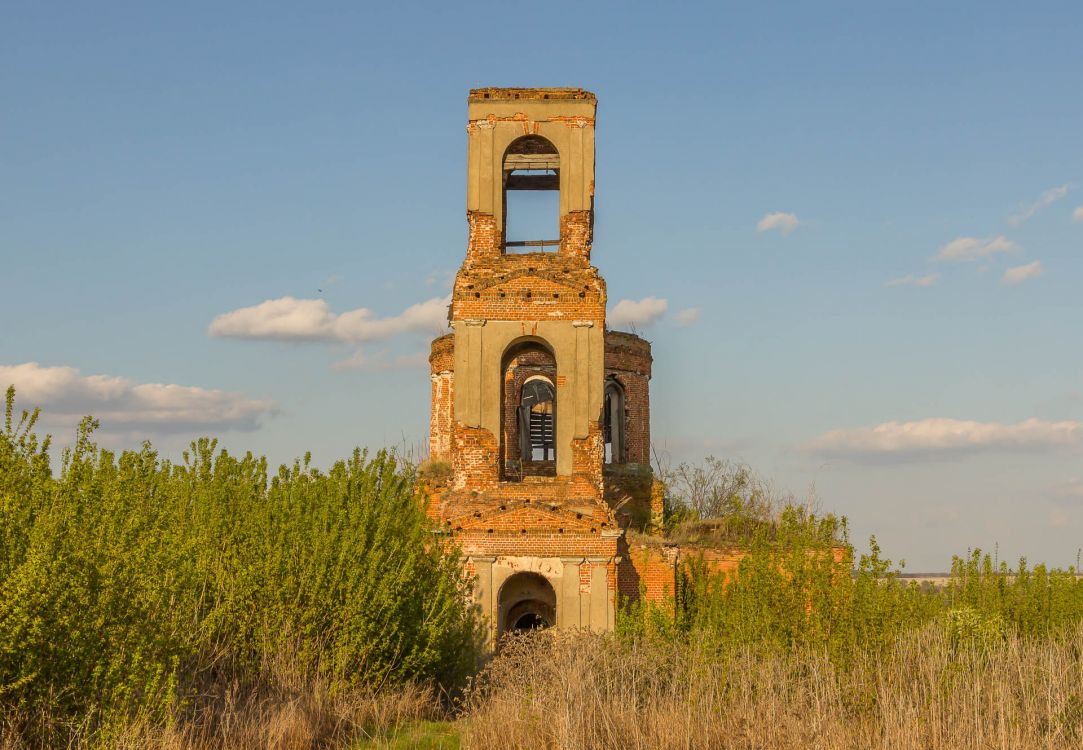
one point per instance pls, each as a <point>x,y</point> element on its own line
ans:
<point>578,691</point>
<point>280,709</point>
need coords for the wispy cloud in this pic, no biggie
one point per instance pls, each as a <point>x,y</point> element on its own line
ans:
<point>783,222</point>
<point>361,361</point>
<point>66,395</point>
<point>291,319</point>
<point>440,277</point>
<point>639,314</point>
<point>942,437</point>
<point>1019,274</point>
<point>1077,215</point>
<point>1069,490</point>
<point>686,317</point>
<point>910,280</point>
<point>973,248</point>
<point>1047,198</point>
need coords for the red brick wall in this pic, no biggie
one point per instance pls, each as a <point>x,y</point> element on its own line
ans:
<point>531,286</point>
<point>650,569</point>
<point>475,458</point>
<point>485,240</point>
<point>577,233</point>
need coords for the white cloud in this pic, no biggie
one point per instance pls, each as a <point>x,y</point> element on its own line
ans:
<point>1019,274</point>
<point>910,280</point>
<point>1077,215</point>
<point>972,248</point>
<point>1047,198</point>
<point>291,319</point>
<point>65,396</point>
<point>360,361</point>
<point>441,277</point>
<point>687,317</point>
<point>941,437</point>
<point>1070,490</point>
<point>629,313</point>
<point>783,222</point>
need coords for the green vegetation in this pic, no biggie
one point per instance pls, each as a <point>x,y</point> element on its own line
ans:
<point>129,584</point>
<point>801,583</point>
<point>209,603</point>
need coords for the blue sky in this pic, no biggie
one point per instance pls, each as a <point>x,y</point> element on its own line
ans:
<point>162,165</point>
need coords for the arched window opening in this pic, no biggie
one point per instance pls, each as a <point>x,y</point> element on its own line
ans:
<point>537,420</point>
<point>531,195</point>
<point>613,423</point>
<point>528,439</point>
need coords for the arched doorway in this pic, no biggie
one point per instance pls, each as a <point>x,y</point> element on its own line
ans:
<point>527,601</point>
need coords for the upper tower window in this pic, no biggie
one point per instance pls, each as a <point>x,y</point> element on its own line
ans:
<point>531,177</point>
<point>613,423</point>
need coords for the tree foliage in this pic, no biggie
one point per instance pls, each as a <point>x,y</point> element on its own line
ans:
<point>127,579</point>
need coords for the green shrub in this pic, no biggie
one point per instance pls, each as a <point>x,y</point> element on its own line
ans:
<point>128,580</point>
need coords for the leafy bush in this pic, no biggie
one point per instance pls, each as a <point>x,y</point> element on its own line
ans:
<point>800,585</point>
<point>127,581</point>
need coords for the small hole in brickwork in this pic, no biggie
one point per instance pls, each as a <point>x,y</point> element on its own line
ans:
<point>502,294</point>
<point>528,295</point>
<point>582,294</point>
<point>477,514</point>
<point>578,515</point>
<point>546,96</point>
<point>556,296</point>
<point>527,501</point>
<point>560,531</point>
<point>522,531</point>
<point>477,295</point>
<point>567,270</point>
<point>503,507</point>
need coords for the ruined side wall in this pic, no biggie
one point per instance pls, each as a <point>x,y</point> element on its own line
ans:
<point>628,359</point>
<point>442,416</point>
<point>653,570</point>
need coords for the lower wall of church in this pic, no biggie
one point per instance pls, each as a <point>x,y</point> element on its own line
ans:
<point>568,591</point>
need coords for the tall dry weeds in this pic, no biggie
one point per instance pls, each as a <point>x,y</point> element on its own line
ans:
<point>283,707</point>
<point>579,691</point>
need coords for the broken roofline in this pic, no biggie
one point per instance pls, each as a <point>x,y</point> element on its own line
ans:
<point>492,92</point>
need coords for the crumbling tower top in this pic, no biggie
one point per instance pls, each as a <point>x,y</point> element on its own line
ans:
<point>492,93</point>
<point>521,139</point>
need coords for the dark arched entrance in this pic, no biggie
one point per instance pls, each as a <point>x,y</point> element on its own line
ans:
<point>527,602</point>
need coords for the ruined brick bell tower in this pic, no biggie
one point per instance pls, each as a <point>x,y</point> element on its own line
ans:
<point>540,412</point>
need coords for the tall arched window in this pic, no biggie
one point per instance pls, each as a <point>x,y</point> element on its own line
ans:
<point>537,420</point>
<point>531,195</point>
<point>613,423</point>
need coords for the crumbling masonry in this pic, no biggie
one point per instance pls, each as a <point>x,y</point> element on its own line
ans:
<point>542,414</point>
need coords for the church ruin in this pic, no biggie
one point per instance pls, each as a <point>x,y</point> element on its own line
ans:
<point>541,413</point>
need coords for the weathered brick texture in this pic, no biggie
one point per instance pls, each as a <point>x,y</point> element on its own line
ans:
<point>511,518</point>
